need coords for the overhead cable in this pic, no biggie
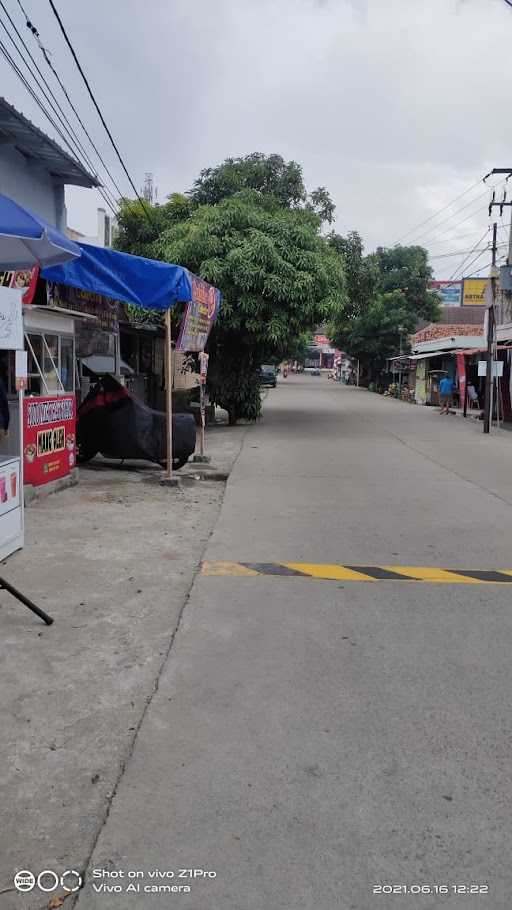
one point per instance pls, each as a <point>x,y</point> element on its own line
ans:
<point>439,212</point>
<point>32,28</point>
<point>96,105</point>
<point>65,131</point>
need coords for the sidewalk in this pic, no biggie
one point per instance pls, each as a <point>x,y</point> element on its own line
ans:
<point>113,561</point>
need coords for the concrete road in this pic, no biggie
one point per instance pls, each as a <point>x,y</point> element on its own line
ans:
<point>312,741</point>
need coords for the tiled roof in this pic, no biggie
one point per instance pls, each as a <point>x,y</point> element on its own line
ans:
<point>437,330</point>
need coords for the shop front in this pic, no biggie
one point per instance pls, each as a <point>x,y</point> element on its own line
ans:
<point>49,412</point>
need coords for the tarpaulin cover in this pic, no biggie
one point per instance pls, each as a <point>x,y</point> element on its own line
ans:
<point>131,279</point>
<point>111,421</point>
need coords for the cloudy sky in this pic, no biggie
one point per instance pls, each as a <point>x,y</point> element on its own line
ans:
<point>396,106</point>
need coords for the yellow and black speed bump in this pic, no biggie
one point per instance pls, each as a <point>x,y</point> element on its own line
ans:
<point>336,572</point>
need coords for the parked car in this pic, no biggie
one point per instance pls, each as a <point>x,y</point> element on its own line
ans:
<point>268,375</point>
<point>113,422</point>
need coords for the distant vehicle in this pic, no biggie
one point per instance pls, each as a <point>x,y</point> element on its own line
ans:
<point>312,371</point>
<point>268,374</point>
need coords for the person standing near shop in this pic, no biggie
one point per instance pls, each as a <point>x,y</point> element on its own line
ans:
<point>446,387</point>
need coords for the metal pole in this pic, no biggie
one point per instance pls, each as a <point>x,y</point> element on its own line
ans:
<point>202,409</point>
<point>490,339</point>
<point>168,391</point>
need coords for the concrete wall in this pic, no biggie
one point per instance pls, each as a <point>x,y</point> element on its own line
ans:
<point>31,186</point>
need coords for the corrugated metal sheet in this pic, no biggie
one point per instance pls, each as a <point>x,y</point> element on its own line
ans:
<point>35,145</point>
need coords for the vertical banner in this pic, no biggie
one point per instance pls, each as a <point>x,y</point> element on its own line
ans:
<point>461,376</point>
<point>203,370</point>
<point>200,314</point>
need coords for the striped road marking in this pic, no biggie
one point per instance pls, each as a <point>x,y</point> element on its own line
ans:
<point>335,572</point>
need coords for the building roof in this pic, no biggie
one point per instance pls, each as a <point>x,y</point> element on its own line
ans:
<point>36,146</point>
<point>457,315</point>
<point>435,332</point>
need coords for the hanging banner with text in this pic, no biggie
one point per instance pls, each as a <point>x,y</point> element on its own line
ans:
<point>49,446</point>
<point>200,315</point>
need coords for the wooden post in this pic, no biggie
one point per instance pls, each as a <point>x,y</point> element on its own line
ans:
<point>168,393</point>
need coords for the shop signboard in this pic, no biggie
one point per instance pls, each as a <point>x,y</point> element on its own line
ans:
<point>450,292</point>
<point>25,281</point>
<point>200,315</point>
<point>49,438</point>
<point>105,310</point>
<point>474,292</point>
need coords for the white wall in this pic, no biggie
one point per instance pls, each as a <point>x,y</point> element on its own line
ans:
<point>31,186</point>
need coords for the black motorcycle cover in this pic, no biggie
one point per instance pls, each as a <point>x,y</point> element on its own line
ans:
<point>116,424</point>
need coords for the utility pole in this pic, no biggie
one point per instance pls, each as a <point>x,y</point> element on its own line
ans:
<point>491,312</point>
<point>489,380</point>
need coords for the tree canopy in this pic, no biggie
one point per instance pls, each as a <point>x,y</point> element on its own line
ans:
<point>250,228</point>
<point>278,279</point>
<point>387,294</point>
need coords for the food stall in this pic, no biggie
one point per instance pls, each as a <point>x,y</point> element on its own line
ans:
<point>11,446</point>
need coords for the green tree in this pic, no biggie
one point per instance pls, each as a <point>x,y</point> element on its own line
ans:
<point>267,174</point>
<point>406,269</point>
<point>361,272</point>
<point>386,290</point>
<point>378,332</point>
<point>278,278</point>
<point>250,228</point>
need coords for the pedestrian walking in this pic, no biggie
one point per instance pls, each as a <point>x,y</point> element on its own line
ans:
<point>446,387</point>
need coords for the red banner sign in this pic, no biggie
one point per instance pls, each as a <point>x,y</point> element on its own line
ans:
<point>49,445</point>
<point>26,280</point>
<point>461,376</point>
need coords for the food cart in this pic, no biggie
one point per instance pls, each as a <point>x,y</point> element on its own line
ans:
<point>11,446</point>
<point>25,241</point>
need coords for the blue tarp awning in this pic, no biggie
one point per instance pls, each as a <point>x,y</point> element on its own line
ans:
<point>131,279</point>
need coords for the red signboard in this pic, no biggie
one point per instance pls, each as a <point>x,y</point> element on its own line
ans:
<point>49,444</point>
<point>26,280</point>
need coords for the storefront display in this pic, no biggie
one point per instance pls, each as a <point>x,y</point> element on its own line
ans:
<point>49,426</point>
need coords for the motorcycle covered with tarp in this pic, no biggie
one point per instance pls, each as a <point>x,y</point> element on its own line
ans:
<point>115,424</point>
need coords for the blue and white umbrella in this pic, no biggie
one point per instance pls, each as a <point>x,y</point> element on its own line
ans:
<point>27,240</point>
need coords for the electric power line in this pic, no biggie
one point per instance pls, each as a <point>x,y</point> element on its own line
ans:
<point>460,268</point>
<point>433,232</point>
<point>66,132</point>
<point>439,212</point>
<point>462,252</point>
<point>46,56</point>
<point>96,105</point>
<point>457,277</point>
